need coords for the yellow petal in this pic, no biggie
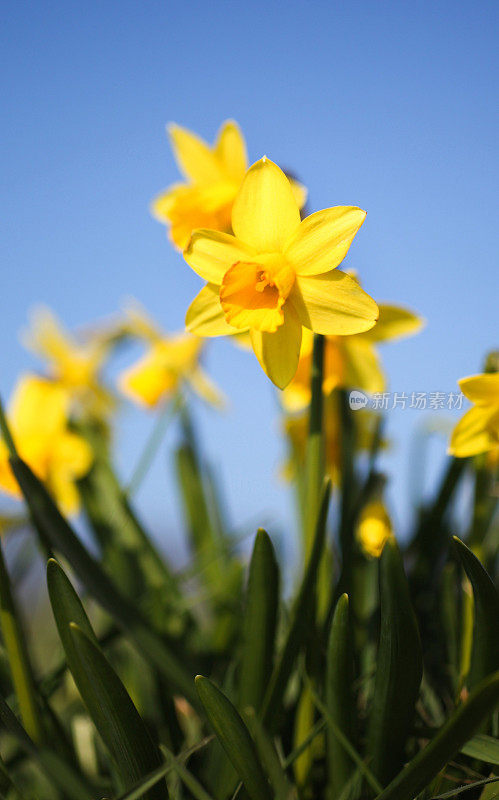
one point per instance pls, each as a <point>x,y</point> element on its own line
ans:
<point>265,213</point>
<point>362,366</point>
<point>477,432</point>
<point>71,454</point>
<point>300,192</point>
<point>194,157</point>
<point>333,304</point>
<point>205,315</point>
<point>211,254</point>
<point>279,352</point>
<point>230,149</point>
<point>393,322</point>
<point>38,407</point>
<point>322,240</point>
<point>148,382</point>
<point>481,389</point>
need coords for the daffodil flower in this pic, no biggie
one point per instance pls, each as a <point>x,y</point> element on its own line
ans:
<point>213,177</point>
<point>38,418</point>
<point>168,363</point>
<point>74,364</point>
<point>374,528</point>
<point>351,362</point>
<point>478,431</point>
<point>277,273</point>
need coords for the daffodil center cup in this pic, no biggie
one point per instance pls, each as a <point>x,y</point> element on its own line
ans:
<point>253,294</point>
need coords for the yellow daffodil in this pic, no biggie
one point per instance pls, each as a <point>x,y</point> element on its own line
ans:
<point>277,273</point>
<point>38,418</point>
<point>374,528</point>
<point>296,428</point>
<point>214,175</point>
<point>351,362</point>
<point>168,363</point>
<point>478,431</point>
<point>74,364</point>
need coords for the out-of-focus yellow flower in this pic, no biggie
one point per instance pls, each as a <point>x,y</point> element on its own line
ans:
<point>38,417</point>
<point>74,364</point>
<point>277,273</point>
<point>478,431</point>
<point>214,175</point>
<point>168,363</point>
<point>374,528</point>
<point>350,362</point>
<point>296,428</point>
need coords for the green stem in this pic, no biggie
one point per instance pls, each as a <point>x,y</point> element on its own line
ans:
<point>315,456</point>
<point>17,653</point>
<point>152,445</point>
<point>7,436</point>
<point>348,490</point>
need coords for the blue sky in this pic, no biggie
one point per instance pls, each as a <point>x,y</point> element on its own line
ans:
<point>390,106</point>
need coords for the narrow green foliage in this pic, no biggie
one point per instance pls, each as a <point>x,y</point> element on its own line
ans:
<point>315,457</point>
<point>281,785</point>
<point>113,712</point>
<point>461,726</point>
<point>299,618</point>
<point>483,747</point>
<point>17,653</point>
<point>485,652</point>
<point>63,538</point>
<point>259,626</point>
<point>234,738</point>
<point>398,671</point>
<point>339,699</point>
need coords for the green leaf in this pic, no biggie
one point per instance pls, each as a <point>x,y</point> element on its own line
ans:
<point>485,748</point>
<point>485,653</point>
<point>234,738</point>
<point>62,537</point>
<point>113,712</point>
<point>299,618</point>
<point>58,771</point>
<point>339,700</point>
<point>424,767</point>
<point>259,624</point>
<point>18,657</point>
<point>283,788</point>
<point>398,671</point>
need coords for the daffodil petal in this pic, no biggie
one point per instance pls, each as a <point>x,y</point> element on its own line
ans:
<point>279,352</point>
<point>333,304</point>
<point>322,240</point>
<point>474,434</point>
<point>362,366</point>
<point>194,157</point>
<point>394,322</point>
<point>265,213</point>
<point>39,407</point>
<point>205,315</point>
<point>230,149</point>
<point>481,389</point>
<point>212,253</point>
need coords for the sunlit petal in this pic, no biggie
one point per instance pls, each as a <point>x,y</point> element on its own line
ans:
<point>322,240</point>
<point>333,304</point>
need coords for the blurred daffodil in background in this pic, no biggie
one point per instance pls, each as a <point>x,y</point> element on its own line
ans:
<point>39,422</point>
<point>277,273</point>
<point>73,362</point>
<point>351,362</point>
<point>296,428</point>
<point>478,431</point>
<point>374,528</point>
<point>213,177</point>
<point>170,362</point>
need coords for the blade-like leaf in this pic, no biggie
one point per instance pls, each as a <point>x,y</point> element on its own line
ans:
<point>259,623</point>
<point>339,700</point>
<point>398,671</point>
<point>113,712</point>
<point>485,653</point>
<point>234,738</point>
<point>483,747</point>
<point>299,621</point>
<point>62,537</point>
<point>424,767</point>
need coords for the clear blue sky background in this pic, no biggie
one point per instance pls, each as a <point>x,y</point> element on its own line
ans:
<point>386,105</point>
